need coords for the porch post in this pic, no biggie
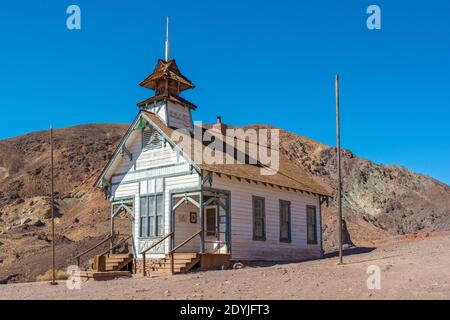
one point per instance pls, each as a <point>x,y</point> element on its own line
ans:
<point>172,223</point>
<point>228,226</point>
<point>111,241</point>
<point>202,221</point>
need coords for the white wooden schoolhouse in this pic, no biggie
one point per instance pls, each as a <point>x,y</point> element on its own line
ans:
<point>185,213</point>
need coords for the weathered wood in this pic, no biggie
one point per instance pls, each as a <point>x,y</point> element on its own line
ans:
<point>171,253</point>
<point>78,257</point>
<point>121,242</point>
<point>153,246</point>
<point>99,264</point>
<point>210,261</point>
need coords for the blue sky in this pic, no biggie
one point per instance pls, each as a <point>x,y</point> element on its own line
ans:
<point>252,61</point>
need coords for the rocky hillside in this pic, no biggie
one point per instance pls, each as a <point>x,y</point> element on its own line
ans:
<point>391,198</point>
<point>378,201</point>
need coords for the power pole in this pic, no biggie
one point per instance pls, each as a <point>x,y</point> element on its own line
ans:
<point>53,210</point>
<point>338,145</point>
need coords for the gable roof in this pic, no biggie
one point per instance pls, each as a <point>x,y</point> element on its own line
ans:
<point>289,175</point>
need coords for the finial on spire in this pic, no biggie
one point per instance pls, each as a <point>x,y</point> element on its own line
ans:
<point>167,41</point>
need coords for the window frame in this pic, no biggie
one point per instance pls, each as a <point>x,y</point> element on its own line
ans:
<point>158,217</point>
<point>316,240</point>
<point>210,232</point>
<point>289,218</point>
<point>263,216</point>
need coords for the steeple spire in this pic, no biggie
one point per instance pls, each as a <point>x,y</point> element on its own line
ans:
<point>168,82</point>
<point>167,40</point>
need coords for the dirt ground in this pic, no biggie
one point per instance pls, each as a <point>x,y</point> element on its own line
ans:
<point>412,267</point>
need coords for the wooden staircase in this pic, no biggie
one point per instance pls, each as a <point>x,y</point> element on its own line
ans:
<point>183,263</point>
<point>117,262</point>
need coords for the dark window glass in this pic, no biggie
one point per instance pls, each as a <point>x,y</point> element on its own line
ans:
<point>210,222</point>
<point>311,220</point>
<point>285,221</point>
<point>144,217</point>
<point>259,228</point>
<point>152,216</point>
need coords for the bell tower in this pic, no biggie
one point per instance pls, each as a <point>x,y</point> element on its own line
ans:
<point>168,82</point>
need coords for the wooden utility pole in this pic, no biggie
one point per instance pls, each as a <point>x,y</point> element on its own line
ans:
<point>53,210</point>
<point>338,145</point>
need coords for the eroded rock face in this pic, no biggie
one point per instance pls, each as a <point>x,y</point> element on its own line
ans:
<point>25,208</point>
<point>389,197</point>
<point>378,200</point>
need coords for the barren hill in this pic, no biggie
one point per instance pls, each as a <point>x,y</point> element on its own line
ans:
<point>379,200</point>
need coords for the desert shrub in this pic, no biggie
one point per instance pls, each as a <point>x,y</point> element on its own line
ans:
<point>59,275</point>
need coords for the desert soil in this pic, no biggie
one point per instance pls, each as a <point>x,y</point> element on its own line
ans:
<point>412,267</point>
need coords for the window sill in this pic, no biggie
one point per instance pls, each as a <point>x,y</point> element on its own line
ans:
<point>150,238</point>
<point>285,241</point>
<point>259,239</point>
<point>312,242</point>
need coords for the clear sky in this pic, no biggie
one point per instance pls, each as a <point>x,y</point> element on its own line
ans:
<point>252,61</point>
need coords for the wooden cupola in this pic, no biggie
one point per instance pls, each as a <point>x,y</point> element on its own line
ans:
<point>167,79</point>
<point>168,82</point>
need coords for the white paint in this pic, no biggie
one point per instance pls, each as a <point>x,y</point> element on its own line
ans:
<point>179,117</point>
<point>242,243</point>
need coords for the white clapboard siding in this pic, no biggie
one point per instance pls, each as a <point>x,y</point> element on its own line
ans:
<point>123,167</point>
<point>126,190</point>
<point>184,229</point>
<point>190,180</point>
<point>149,171</point>
<point>243,245</point>
<point>177,183</point>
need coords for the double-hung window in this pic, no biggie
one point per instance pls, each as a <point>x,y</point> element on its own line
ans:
<point>259,219</point>
<point>151,216</point>
<point>311,223</point>
<point>285,221</point>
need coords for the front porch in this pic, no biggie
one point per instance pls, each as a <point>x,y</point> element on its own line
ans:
<point>199,234</point>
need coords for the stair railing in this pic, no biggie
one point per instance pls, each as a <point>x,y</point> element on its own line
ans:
<point>172,252</point>
<point>154,245</point>
<point>116,245</point>
<point>78,257</point>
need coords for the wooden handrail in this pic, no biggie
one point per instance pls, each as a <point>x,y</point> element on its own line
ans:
<point>116,245</point>
<point>157,243</point>
<point>171,253</point>
<point>185,242</point>
<point>150,248</point>
<point>77,258</point>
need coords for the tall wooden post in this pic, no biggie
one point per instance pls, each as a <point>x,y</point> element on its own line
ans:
<point>338,145</point>
<point>53,209</point>
<point>202,222</point>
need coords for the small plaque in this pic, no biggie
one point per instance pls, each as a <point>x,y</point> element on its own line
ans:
<point>193,217</point>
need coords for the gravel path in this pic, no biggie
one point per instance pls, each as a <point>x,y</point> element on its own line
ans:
<point>411,268</point>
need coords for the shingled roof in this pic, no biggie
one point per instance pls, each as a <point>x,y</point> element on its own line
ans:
<point>290,175</point>
<point>167,70</point>
<point>170,97</point>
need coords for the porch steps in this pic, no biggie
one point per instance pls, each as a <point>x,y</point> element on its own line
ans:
<point>100,276</point>
<point>183,263</point>
<point>116,262</point>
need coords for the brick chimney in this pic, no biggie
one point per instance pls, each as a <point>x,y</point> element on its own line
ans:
<point>220,127</point>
